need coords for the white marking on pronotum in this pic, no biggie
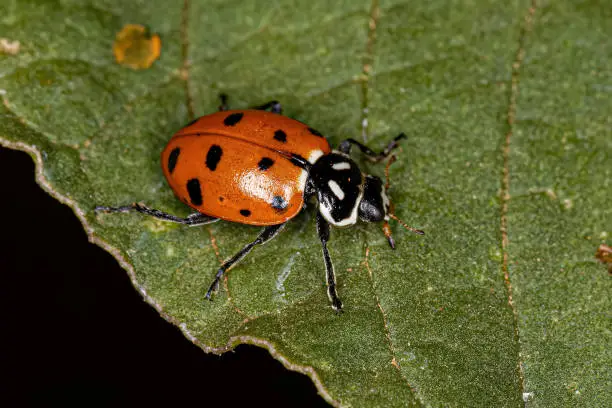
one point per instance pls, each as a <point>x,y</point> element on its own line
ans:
<point>335,188</point>
<point>314,156</point>
<point>341,166</point>
<point>350,220</point>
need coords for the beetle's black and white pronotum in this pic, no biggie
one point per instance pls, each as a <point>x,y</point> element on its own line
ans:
<point>261,168</point>
<point>338,185</point>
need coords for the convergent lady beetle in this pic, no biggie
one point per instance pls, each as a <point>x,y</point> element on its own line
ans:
<point>261,168</point>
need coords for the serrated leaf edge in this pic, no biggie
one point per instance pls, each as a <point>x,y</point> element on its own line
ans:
<point>116,253</point>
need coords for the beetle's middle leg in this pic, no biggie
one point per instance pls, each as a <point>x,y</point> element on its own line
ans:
<point>272,106</point>
<point>266,235</point>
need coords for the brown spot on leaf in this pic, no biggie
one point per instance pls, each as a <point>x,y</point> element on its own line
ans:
<point>604,255</point>
<point>136,47</point>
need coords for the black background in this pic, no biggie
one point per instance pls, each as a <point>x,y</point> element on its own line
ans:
<point>75,332</point>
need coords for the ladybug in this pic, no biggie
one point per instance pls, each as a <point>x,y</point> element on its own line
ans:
<point>258,167</point>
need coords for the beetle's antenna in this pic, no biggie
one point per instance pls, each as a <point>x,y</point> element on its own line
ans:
<point>408,227</point>
<point>386,226</point>
<point>387,179</point>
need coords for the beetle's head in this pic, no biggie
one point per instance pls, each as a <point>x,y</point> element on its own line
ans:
<point>374,205</point>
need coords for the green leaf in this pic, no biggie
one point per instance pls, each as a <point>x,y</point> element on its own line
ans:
<point>507,169</point>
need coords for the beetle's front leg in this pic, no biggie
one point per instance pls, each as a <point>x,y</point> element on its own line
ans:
<point>345,147</point>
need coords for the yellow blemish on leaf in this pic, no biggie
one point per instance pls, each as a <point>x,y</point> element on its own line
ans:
<point>136,47</point>
<point>9,47</point>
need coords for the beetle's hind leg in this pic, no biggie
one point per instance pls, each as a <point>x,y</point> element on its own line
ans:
<point>191,220</point>
<point>273,106</point>
<point>264,236</point>
<point>223,99</point>
<point>345,147</point>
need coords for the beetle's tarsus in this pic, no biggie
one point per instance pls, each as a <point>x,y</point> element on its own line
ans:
<point>210,292</point>
<point>223,98</point>
<point>337,306</point>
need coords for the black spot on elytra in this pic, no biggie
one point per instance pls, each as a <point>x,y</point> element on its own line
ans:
<point>213,157</point>
<point>281,136</point>
<point>315,132</point>
<point>221,199</point>
<point>279,203</point>
<point>245,213</point>
<point>265,163</point>
<point>233,119</point>
<point>195,192</point>
<point>172,159</point>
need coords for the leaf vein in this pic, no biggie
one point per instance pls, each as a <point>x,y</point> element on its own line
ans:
<point>385,320</point>
<point>505,182</point>
<point>185,57</point>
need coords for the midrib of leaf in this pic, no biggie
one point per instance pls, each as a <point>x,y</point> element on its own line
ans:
<point>185,58</point>
<point>505,182</point>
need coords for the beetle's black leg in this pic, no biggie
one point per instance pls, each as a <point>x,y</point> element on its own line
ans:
<point>345,147</point>
<point>223,99</point>
<point>191,220</point>
<point>266,235</point>
<point>274,106</point>
<point>323,231</point>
